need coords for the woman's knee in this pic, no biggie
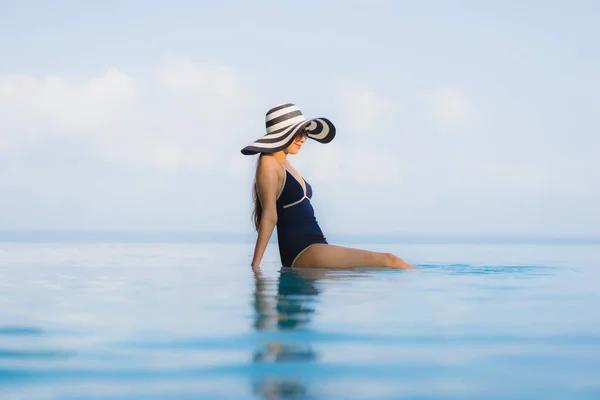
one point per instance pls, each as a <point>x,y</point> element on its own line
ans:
<point>389,259</point>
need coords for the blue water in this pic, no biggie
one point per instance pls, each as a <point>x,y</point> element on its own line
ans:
<point>191,320</point>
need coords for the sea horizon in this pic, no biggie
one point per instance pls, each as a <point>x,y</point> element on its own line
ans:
<point>187,236</point>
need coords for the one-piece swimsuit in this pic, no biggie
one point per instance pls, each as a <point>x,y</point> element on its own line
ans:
<point>297,227</point>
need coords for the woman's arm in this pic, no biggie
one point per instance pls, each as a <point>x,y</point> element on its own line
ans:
<point>267,183</point>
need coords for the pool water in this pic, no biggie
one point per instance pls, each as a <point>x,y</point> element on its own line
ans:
<point>192,320</point>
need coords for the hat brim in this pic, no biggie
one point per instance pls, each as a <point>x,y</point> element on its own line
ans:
<point>319,129</point>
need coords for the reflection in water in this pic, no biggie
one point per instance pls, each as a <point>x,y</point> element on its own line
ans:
<point>285,304</point>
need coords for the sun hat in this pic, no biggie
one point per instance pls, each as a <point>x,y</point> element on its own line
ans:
<point>283,122</point>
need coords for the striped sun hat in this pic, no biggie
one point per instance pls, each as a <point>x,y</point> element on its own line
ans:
<point>283,123</point>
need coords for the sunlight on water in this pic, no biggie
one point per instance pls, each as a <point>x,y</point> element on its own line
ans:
<point>170,321</point>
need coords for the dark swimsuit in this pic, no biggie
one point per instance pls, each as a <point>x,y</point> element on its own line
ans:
<point>297,227</point>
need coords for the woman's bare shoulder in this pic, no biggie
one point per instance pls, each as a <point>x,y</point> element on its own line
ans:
<point>268,164</point>
<point>269,176</point>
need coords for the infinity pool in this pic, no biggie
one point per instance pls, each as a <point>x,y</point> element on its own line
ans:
<point>192,320</point>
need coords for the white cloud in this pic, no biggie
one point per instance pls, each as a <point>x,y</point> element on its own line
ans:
<point>187,77</point>
<point>167,155</point>
<point>363,111</point>
<point>354,156</point>
<point>189,121</point>
<point>351,164</point>
<point>450,108</point>
<point>182,117</point>
<point>32,108</point>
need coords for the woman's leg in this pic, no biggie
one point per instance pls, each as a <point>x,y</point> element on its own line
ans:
<point>330,256</point>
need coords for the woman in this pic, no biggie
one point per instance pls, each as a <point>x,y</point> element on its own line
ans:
<point>282,198</point>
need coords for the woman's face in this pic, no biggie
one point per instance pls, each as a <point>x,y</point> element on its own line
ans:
<point>299,140</point>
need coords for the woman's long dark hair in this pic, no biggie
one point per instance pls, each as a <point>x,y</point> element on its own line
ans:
<point>257,208</point>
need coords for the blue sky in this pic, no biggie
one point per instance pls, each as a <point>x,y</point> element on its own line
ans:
<point>453,117</point>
